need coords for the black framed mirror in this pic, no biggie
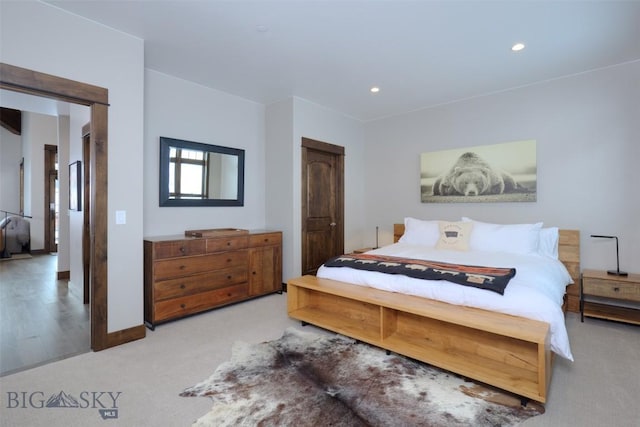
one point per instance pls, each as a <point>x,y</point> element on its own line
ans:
<point>197,174</point>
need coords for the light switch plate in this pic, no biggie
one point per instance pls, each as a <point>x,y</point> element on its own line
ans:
<point>121,217</point>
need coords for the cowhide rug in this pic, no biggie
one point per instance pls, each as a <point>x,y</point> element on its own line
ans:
<point>311,379</point>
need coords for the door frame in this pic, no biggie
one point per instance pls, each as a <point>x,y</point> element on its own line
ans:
<point>50,159</point>
<point>97,99</point>
<point>338,152</point>
<point>86,207</point>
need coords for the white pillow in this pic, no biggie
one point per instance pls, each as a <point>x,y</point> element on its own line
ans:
<point>419,232</point>
<point>513,238</point>
<point>548,244</point>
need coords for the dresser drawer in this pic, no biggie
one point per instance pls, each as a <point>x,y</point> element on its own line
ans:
<point>220,244</point>
<point>181,267</point>
<point>178,307</point>
<point>178,248</point>
<point>611,289</point>
<point>265,239</point>
<point>189,285</point>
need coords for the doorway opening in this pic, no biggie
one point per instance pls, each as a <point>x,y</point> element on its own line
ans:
<point>39,84</point>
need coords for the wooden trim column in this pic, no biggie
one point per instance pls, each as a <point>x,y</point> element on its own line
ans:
<point>99,230</point>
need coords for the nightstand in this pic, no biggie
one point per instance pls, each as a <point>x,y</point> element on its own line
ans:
<point>610,297</point>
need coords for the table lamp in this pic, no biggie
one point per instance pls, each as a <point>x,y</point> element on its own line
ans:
<point>617,271</point>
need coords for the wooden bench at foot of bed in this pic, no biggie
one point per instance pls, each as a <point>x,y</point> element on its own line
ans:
<point>508,352</point>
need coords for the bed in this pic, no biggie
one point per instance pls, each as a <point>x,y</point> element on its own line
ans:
<point>511,352</point>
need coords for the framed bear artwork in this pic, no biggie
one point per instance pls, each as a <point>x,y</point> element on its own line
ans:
<point>488,173</point>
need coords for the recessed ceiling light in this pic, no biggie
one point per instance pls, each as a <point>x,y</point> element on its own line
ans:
<point>517,47</point>
<point>375,89</point>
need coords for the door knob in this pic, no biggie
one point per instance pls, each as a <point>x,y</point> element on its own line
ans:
<point>333,224</point>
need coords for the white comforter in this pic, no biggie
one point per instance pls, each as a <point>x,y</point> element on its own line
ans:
<point>536,292</point>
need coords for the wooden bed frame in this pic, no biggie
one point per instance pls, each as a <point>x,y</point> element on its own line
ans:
<point>508,352</point>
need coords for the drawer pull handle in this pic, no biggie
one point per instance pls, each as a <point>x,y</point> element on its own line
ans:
<point>229,277</point>
<point>182,286</point>
<point>182,306</point>
<point>182,267</point>
<point>182,249</point>
<point>616,289</point>
<point>229,260</point>
<point>253,272</point>
<point>266,240</point>
<point>228,243</point>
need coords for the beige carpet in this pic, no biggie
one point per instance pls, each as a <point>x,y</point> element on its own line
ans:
<point>600,388</point>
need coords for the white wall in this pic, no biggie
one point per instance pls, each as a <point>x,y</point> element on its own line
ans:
<point>68,46</point>
<point>587,129</point>
<point>288,122</point>
<point>11,151</point>
<point>279,190</point>
<point>79,116</point>
<point>64,242</point>
<point>38,130</point>
<point>10,156</point>
<point>180,109</point>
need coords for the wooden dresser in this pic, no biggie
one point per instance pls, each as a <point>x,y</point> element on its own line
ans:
<point>187,275</point>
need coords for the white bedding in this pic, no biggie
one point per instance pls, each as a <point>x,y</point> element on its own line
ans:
<point>536,292</point>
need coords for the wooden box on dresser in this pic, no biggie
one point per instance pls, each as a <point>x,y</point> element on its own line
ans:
<point>187,275</point>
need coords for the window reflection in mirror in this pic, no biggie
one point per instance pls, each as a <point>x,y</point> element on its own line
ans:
<point>196,174</point>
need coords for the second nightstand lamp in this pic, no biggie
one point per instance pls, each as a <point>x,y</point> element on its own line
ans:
<point>617,271</point>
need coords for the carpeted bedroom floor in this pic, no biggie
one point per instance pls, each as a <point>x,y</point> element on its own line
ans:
<point>145,377</point>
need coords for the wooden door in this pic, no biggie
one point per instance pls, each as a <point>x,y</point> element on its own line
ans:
<point>322,203</point>
<point>50,202</point>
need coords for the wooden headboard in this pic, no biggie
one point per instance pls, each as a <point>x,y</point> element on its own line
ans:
<point>568,253</point>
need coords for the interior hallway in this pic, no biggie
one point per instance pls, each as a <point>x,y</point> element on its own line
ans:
<point>42,319</point>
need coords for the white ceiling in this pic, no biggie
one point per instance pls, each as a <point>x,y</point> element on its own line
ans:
<point>420,53</point>
<point>35,104</point>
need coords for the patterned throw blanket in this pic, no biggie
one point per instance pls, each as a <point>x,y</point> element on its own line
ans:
<point>489,278</point>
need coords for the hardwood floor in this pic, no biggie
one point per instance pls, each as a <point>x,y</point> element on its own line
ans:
<point>42,319</point>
